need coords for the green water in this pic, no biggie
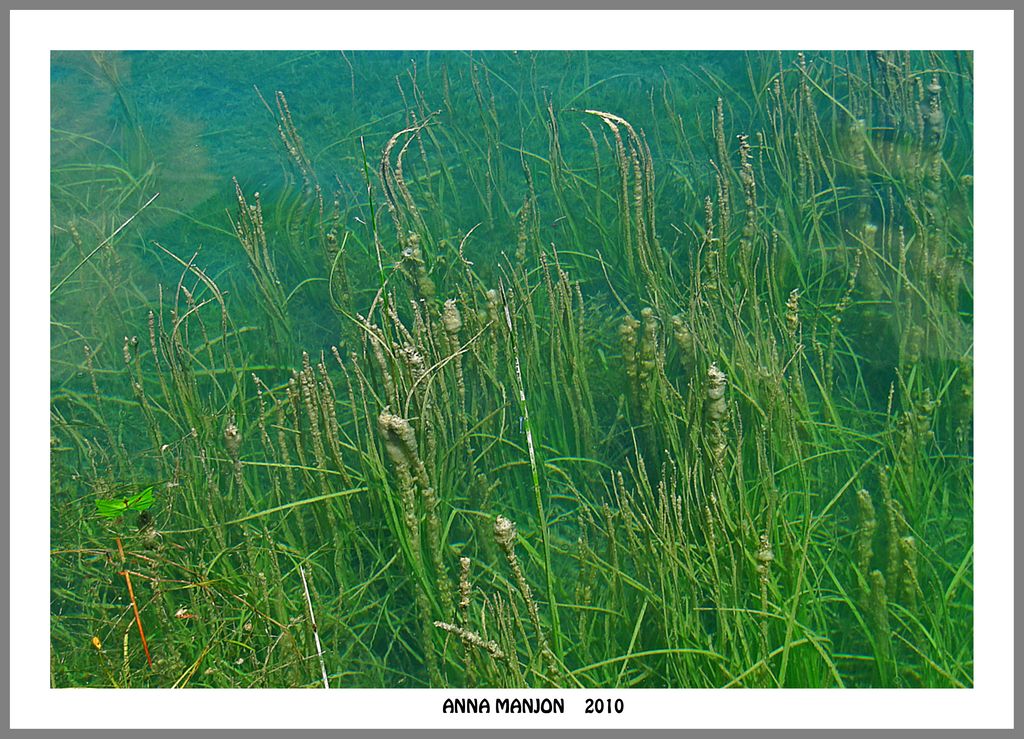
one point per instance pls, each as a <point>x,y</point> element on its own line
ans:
<point>573,369</point>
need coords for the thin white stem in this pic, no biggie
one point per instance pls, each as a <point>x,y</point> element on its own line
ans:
<point>103,243</point>
<point>316,634</point>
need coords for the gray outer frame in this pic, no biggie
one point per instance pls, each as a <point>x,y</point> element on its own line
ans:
<point>5,459</point>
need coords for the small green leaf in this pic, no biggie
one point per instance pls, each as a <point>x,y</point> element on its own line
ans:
<point>115,507</point>
<point>110,508</point>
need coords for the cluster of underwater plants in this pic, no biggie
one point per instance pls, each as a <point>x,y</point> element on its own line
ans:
<point>526,385</point>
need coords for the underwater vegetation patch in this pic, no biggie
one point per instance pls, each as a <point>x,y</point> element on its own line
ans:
<point>553,369</point>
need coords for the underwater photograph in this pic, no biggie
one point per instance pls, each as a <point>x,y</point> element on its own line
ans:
<point>494,369</point>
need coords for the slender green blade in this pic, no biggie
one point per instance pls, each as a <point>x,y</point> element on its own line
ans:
<point>111,508</point>
<point>140,501</point>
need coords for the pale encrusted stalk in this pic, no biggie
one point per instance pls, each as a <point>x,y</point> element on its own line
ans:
<point>628,335</point>
<point>793,313</point>
<point>505,536</point>
<point>908,552</point>
<point>714,414</point>
<point>865,537</point>
<point>765,557</point>
<point>233,443</point>
<point>451,321</point>
<point>879,611</point>
<point>472,638</point>
<point>307,385</point>
<point>400,444</point>
<point>465,592</point>
<point>684,340</point>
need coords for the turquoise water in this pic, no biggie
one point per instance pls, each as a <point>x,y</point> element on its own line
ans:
<point>699,323</point>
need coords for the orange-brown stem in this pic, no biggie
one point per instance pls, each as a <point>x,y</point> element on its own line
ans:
<point>135,605</point>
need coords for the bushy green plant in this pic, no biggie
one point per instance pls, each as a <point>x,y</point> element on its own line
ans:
<point>506,387</point>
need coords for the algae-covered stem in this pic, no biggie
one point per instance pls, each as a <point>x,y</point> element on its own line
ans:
<point>542,519</point>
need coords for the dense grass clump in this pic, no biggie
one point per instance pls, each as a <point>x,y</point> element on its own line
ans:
<point>513,370</point>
